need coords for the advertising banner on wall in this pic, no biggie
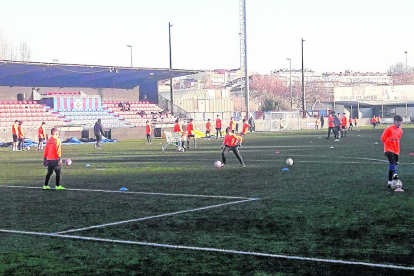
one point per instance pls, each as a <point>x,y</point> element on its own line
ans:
<point>375,94</point>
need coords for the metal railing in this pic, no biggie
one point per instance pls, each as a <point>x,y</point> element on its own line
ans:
<point>172,108</point>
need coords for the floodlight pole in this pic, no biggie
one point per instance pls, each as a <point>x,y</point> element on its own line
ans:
<point>290,77</point>
<point>130,47</point>
<point>406,61</point>
<point>171,82</point>
<point>303,86</point>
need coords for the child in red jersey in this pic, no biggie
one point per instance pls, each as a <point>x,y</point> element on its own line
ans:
<point>245,128</point>
<point>52,159</point>
<point>232,124</point>
<point>218,127</point>
<point>230,144</point>
<point>208,130</point>
<point>41,134</point>
<point>190,134</point>
<point>331,125</point>
<point>350,127</point>
<point>148,130</point>
<point>344,122</point>
<point>391,140</point>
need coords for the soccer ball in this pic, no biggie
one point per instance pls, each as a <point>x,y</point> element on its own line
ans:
<point>180,148</point>
<point>27,148</point>
<point>217,164</point>
<point>68,162</point>
<point>289,161</point>
<point>396,184</point>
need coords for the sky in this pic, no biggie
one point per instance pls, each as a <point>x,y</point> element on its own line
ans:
<point>357,35</point>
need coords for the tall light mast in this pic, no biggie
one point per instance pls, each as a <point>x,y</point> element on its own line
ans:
<point>243,54</point>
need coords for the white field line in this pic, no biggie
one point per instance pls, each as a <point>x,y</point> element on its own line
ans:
<point>127,192</point>
<point>152,217</point>
<point>208,249</point>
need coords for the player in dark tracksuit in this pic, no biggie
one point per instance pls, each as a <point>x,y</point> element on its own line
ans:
<point>98,133</point>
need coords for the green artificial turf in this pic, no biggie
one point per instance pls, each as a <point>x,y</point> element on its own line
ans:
<point>331,204</point>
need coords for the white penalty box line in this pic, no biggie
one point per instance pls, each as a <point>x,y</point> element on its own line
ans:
<point>152,217</point>
<point>244,199</point>
<point>208,249</point>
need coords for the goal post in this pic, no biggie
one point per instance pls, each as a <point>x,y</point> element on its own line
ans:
<point>279,120</point>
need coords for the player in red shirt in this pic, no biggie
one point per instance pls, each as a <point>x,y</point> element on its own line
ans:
<point>190,133</point>
<point>330,124</point>
<point>374,122</point>
<point>350,127</point>
<point>230,144</point>
<point>232,124</point>
<point>208,130</point>
<point>15,131</point>
<point>391,140</point>
<point>41,134</point>
<point>178,130</point>
<point>245,128</point>
<point>344,122</point>
<point>148,131</point>
<point>52,159</point>
<point>218,127</point>
<point>20,136</point>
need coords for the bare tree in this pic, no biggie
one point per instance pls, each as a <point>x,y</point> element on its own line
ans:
<point>25,54</point>
<point>401,74</point>
<point>9,52</point>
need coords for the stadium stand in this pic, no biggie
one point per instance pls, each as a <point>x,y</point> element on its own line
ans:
<point>137,113</point>
<point>112,114</point>
<point>31,113</point>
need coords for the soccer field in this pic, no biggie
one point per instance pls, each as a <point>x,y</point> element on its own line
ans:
<point>330,214</point>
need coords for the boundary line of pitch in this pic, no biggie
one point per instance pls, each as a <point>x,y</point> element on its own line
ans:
<point>207,249</point>
<point>128,192</point>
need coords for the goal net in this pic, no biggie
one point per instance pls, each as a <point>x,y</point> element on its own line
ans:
<point>279,120</point>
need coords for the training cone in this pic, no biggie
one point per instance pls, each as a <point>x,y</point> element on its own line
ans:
<point>399,190</point>
<point>376,143</point>
<point>87,165</point>
<point>332,147</point>
<point>285,170</point>
<point>277,152</point>
<point>123,189</point>
<point>411,153</point>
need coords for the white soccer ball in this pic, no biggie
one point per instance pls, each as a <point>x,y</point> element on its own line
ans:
<point>27,148</point>
<point>289,161</point>
<point>396,184</point>
<point>68,162</point>
<point>217,164</point>
<point>180,148</point>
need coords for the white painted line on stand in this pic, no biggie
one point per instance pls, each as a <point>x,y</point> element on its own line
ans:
<point>156,216</point>
<point>208,249</point>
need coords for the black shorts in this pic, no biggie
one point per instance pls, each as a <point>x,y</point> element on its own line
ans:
<point>218,128</point>
<point>191,135</point>
<point>15,138</point>
<point>392,157</point>
<point>41,140</point>
<point>207,131</point>
<point>242,134</point>
<point>343,127</point>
